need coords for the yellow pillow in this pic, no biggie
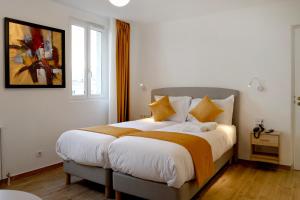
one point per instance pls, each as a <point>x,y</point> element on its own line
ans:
<point>206,110</point>
<point>162,109</point>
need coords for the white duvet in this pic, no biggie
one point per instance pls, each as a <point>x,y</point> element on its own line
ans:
<point>163,161</point>
<point>91,149</point>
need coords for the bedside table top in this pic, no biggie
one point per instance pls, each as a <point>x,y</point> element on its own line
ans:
<point>273,133</point>
<point>266,139</point>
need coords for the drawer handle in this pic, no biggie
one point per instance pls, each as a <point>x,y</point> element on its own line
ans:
<point>264,140</point>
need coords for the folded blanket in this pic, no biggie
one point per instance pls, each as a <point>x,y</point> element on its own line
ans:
<point>199,149</point>
<point>111,130</point>
<point>196,127</point>
<point>208,126</point>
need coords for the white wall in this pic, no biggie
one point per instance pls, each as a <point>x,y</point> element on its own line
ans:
<point>225,50</point>
<point>33,119</point>
<point>135,70</point>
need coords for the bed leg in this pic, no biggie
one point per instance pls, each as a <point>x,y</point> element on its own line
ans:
<point>108,192</point>
<point>68,179</point>
<point>118,195</point>
<point>231,161</point>
<point>235,157</point>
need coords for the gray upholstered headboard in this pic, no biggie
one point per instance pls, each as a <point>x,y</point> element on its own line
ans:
<point>200,92</point>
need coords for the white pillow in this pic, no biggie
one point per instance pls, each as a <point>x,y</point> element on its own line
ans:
<point>180,105</point>
<point>226,104</point>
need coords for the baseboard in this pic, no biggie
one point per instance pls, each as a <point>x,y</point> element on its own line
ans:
<point>58,165</point>
<point>32,173</point>
<point>253,163</point>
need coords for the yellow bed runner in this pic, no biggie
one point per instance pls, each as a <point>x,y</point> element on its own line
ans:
<point>199,149</point>
<point>111,130</point>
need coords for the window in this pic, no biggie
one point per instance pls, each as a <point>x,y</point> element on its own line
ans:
<point>78,60</point>
<point>86,60</point>
<point>95,61</point>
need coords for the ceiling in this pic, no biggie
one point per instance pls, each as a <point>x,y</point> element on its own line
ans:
<point>161,10</point>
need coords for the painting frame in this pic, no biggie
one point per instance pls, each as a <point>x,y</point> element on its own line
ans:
<point>7,67</point>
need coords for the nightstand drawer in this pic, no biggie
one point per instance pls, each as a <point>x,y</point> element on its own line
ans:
<point>266,140</point>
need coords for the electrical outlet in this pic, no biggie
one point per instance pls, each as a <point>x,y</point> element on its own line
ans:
<point>38,154</point>
<point>259,121</point>
<point>145,116</point>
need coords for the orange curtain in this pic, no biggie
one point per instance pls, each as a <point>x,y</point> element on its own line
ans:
<point>122,71</point>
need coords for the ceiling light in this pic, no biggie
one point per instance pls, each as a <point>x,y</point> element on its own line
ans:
<point>119,3</point>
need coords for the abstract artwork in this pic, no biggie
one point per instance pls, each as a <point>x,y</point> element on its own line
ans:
<point>34,55</point>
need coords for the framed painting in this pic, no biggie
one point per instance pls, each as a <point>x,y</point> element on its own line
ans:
<point>34,55</point>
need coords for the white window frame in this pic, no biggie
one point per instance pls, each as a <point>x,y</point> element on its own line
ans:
<point>87,68</point>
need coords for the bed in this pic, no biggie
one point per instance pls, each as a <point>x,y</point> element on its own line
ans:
<point>85,153</point>
<point>134,181</point>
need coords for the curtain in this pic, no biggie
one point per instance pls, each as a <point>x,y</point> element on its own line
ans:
<point>122,69</point>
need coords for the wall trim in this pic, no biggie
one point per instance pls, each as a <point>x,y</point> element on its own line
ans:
<point>31,173</point>
<point>60,164</point>
<point>251,163</point>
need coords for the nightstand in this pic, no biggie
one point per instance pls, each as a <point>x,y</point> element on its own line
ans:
<point>266,148</point>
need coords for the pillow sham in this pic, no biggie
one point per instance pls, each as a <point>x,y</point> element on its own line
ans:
<point>181,106</point>
<point>206,110</point>
<point>162,109</point>
<point>226,104</point>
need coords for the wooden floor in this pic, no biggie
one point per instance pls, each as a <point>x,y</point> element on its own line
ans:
<point>236,182</point>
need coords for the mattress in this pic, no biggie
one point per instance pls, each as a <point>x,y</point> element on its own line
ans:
<point>91,149</point>
<point>163,161</point>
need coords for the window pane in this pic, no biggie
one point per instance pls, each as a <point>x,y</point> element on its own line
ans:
<point>95,62</point>
<point>78,60</point>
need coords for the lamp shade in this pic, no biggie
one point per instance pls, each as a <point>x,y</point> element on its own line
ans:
<point>119,3</point>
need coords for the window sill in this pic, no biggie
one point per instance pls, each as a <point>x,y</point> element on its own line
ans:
<point>85,98</point>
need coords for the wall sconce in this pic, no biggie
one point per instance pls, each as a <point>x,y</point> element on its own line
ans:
<point>142,86</point>
<point>259,87</point>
